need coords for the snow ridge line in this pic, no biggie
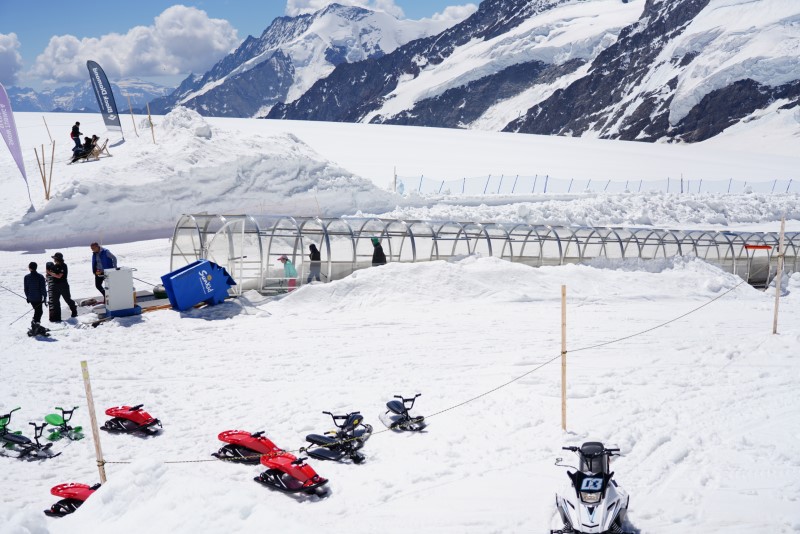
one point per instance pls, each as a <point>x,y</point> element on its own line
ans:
<point>301,450</point>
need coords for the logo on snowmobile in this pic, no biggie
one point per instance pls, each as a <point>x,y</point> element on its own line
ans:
<point>205,281</point>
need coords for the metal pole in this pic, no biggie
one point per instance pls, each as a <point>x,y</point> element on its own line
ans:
<point>569,189</point>
<point>546,179</point>
<point>729,184</point>
<point>395,179</point>
<point>419,189</point>
<point>640,186</point>
<point>778,276</point>
<point>463,185</point>
<point>101,464</point>
<point>563,357</point>
<point>790,185</point>
<point>773,185</point>
<point>501,183</point>
<point>536,177</point>
<point>487,184</point>
<point>513,187</point>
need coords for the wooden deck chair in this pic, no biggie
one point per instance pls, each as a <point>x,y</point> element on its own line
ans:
<point>98,151</point>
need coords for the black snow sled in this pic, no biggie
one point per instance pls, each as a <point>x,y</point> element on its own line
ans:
<point>342,443</point>
<point>399,416</point>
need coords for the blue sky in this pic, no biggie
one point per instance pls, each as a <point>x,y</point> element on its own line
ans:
<point>29,58</point>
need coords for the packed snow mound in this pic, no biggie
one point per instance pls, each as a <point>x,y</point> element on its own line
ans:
<point>182,118</point>
<point>442,283</point>
<point>656,209</point>
<point>140,192</point>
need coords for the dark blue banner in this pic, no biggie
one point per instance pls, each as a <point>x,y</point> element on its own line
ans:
<point>105,97</point>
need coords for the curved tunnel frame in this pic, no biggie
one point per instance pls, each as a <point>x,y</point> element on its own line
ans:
<point>248,246</point>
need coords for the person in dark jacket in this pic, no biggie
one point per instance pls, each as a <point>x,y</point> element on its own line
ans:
<point>378,257</point>
<point>316,264</point>
<point>35,291</point>
<point>76,136</point>
<point>102,259</point>
<point>83,150</point>
<point>60,285</point>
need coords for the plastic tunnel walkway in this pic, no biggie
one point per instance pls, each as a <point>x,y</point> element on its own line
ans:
<point>249,246</point>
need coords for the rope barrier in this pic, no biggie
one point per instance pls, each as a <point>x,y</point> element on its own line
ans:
<point>302,450</point>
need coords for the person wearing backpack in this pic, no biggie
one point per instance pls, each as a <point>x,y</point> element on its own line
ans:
<point>75,135</point>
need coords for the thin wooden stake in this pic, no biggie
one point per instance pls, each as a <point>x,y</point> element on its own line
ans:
<point>778,276</point>
<point>50,179</point>
<point>48,129</point>
<point>563,357</point>
<point>132,119</point>
<point>150,120</point>
<point>101,465</point>
<point>41,167</point>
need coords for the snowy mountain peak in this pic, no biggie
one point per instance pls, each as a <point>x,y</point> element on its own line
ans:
<point>290,56</point>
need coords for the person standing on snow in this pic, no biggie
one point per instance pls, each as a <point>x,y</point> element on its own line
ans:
<point>102,259</point>
<point>60,289</point>
<point>289,272</point>
<point>35,292</point>
<point>75,135</point>
<point>316,264</point>
<point>378,257</point>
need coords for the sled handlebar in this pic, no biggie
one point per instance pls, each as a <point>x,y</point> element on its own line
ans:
<point>8,415</point>
<point>136,408</point>
<point>299,461</point>
<point>257,434</point>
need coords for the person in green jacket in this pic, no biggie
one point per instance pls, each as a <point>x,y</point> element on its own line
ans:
<point>289,272</point>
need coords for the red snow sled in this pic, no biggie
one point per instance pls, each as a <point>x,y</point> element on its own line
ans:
<point>129,419</point>
<point>73,495</point>
<point>285,471</point>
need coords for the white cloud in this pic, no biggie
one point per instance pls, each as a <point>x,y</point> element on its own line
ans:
<point>10,59</point>
<point>296,7</point>
<point>181,40</point>
<point>455,14</point>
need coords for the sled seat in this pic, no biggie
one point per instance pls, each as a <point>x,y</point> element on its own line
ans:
<point>396,406</point>
<point>323,441</point>
<point>17,439</point>
<point>54,419</point>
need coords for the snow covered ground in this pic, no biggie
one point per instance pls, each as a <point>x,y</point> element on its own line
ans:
<point>703,408</point>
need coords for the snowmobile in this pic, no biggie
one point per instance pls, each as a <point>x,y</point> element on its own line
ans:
<point>398,416</point>
<point>23,447</point>
<point>344,442</point>
<point>129,419</point>
<point>73,495</point>
<point>591,502</point>
<point>285,471</point>
<point>62,428</point>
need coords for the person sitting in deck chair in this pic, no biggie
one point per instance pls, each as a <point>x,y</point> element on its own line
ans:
<point>86,149</point>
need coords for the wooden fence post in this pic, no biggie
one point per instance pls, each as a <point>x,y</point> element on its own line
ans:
<point>563,357</point>
<point>101,465</point>
<point>132,119</point>
<point>150,120</point>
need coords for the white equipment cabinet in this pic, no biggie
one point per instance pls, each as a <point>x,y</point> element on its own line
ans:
<point>119,288</point>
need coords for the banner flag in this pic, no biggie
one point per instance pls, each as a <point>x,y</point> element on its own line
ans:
<point>8,128</point>
<point>105,97</point>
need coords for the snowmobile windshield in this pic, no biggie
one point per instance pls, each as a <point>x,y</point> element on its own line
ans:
<point>597,465</point>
